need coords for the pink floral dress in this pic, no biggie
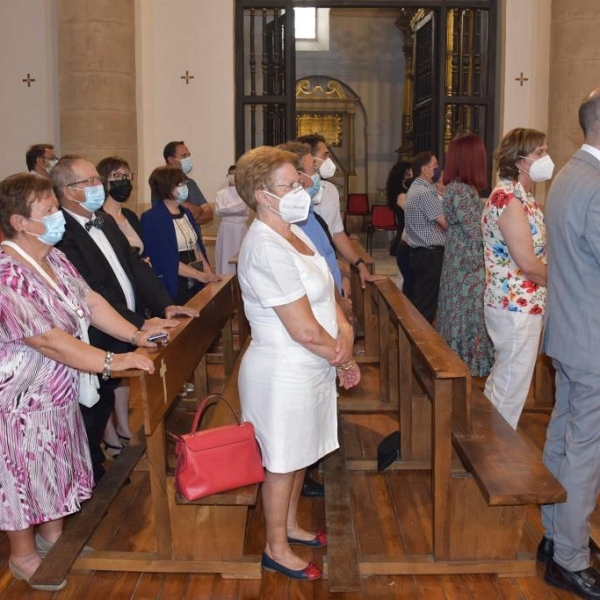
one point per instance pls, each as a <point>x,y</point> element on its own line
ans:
<point>45,467</point>
<point>505,285</point>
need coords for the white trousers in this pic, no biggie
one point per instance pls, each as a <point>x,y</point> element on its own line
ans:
<point>516,339</point>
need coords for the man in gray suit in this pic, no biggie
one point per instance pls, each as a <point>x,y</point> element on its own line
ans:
<point>572,339</point>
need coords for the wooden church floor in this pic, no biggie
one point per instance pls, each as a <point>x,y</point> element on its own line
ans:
<point>392,511</point>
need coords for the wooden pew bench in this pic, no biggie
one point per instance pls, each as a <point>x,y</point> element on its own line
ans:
<point>484,475</point>
<point>202,537</point>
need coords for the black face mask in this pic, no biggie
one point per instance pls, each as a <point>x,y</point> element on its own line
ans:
<point>120,190</point>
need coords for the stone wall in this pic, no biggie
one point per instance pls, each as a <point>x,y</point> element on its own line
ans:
<point>574,71</point>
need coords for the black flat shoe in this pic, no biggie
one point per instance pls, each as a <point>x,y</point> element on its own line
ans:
<point>310,572</point>
<point>584,583</point>
<point>545,550</point>
<point>312,488</point>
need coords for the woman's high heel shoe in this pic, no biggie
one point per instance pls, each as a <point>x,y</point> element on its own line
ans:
<point>310,572</point>
<point>110,451</point>
<point>125,441</point>
<point>18,574</point>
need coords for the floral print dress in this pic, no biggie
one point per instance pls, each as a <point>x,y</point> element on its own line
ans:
<point>460,319</point>
<point>506,287</point>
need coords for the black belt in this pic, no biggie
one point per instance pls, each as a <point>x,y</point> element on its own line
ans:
<point>429,248</point>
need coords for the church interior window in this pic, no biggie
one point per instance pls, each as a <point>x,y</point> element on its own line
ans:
<point>311,29</point>
<point>305,23</point>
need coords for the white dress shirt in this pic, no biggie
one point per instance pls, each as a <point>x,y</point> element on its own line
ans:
<point>105,247</point>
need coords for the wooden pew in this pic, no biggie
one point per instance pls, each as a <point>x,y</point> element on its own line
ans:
<point>202,537</point>
<point>484,475</point>
<point>363,308</point>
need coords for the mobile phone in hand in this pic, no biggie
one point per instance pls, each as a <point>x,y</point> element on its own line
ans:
<point>157,337</point>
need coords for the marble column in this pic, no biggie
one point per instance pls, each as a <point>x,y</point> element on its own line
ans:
<point>574,69</point>
<point>97,80</point>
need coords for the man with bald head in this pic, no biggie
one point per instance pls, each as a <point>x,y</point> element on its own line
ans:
<point>572,340</point>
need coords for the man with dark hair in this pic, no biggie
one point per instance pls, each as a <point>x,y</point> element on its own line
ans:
<point>40,158</point>
<point>327,205</point>
<point>572,340</point>
<point>178,155</point>
<point>425,227</point>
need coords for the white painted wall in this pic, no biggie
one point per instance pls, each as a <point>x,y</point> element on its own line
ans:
<point>197,35</point>
<point>526,49</point>
<point>27,45</point>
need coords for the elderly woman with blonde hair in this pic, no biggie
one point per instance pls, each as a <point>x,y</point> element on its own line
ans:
<point>300,340</point>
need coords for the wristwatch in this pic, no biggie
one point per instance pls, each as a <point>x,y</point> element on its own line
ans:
<point>360,261</point>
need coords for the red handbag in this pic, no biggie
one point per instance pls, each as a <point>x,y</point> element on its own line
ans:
<point>216,460</point>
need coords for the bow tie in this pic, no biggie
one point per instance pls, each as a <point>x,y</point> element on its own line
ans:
<point>97,222</point>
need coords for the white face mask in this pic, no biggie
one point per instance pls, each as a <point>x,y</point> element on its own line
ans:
<point>327,168</point>
<point>52,163</point>
<point>541,169</point>
<point>293,206</point>
<point>186,164</point>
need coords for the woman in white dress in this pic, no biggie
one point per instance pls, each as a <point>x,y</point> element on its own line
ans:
<point>234,213</point>
<point>300,339</point>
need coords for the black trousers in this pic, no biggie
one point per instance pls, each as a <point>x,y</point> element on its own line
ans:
<point>403,262</point>
<point>95,420</point>
<point>426,267</point>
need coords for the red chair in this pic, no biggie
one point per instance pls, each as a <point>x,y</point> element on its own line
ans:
<point>383,218</point>
<point>357,205</point>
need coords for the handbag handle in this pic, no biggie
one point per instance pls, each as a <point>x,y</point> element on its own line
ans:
<point>211,398</point>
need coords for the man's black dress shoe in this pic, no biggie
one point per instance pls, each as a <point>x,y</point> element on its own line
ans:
<point>312,488</point>
<point>584,583</point>
<point>545,550</point>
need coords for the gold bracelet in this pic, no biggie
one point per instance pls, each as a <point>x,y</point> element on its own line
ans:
<point>348,366</point>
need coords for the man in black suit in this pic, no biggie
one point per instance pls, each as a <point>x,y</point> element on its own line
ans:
<point>103,256</point>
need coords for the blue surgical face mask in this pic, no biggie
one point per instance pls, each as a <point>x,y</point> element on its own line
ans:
<point>55,228</point>
<point>94,197</point>
<point>182,193</point>
<point>313,190</point>
<point>186,164</point>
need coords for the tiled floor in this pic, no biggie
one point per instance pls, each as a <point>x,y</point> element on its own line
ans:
<point>384,263</point>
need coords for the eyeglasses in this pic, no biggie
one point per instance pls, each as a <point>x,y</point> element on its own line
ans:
<point>290,186</point>
<point>95,180</point>
<point>123,176</point>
